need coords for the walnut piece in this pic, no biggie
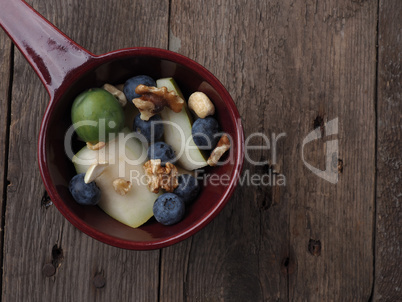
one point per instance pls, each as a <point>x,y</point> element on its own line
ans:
<point>122,186</point>
<point>98,146</point>
<point>153,100</point>
<point>222,146</point>
<point>160,177</point>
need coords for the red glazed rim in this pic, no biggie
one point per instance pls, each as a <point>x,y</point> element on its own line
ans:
<point>208,216</point>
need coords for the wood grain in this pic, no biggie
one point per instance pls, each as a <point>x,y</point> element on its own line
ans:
<point>232,258</point>
<point>5,63</point>
<point>388,239</point>
<point>5,78</point>
<point>334,68</point>
<point>290,67</point>
<point>36,235</point>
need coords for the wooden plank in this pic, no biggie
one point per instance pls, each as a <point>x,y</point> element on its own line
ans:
<point>290,67</point>
<point>5,63</point>
<point>388,239</point>
<point>37,237</point>
<point>332,224</point>
<point>238,256</point>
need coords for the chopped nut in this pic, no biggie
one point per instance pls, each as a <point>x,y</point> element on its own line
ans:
<point>161,177</point>
<point>153,100</point>
<point>222,146</point>
<point>201,104</point>
<point>98,146</point>
<point>94,171</point>
<point>122,186</point>
<point>118,94</point>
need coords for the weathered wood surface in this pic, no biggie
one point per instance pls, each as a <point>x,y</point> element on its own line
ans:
<point>287,65</point>
<point>388,248</point>
<point>5,79</point>
<point>89,270</point>
<point>290,66</point>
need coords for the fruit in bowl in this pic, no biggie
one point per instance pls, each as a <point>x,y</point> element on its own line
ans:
<point>111,172</point>
<point>217,183</point>
<point>94,109</point>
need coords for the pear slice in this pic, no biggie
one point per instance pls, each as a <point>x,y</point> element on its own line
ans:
<point>125,158</point>
<point>178,131</point>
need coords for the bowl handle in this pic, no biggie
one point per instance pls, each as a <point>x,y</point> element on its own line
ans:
<point>52,54</point>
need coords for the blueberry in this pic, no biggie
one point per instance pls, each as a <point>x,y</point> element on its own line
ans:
<point>132,83</point>
<point>169,209</point>
<point>84,194</point>
<point>162,151</point>
<point>152,129</point>
<point>205,133</point>
<point>188,188</point>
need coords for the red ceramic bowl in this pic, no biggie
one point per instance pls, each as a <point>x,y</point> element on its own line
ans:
<point>66,69</point>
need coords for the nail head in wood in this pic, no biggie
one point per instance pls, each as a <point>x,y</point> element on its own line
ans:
<point>48,270</point>
<point>99,281</point>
